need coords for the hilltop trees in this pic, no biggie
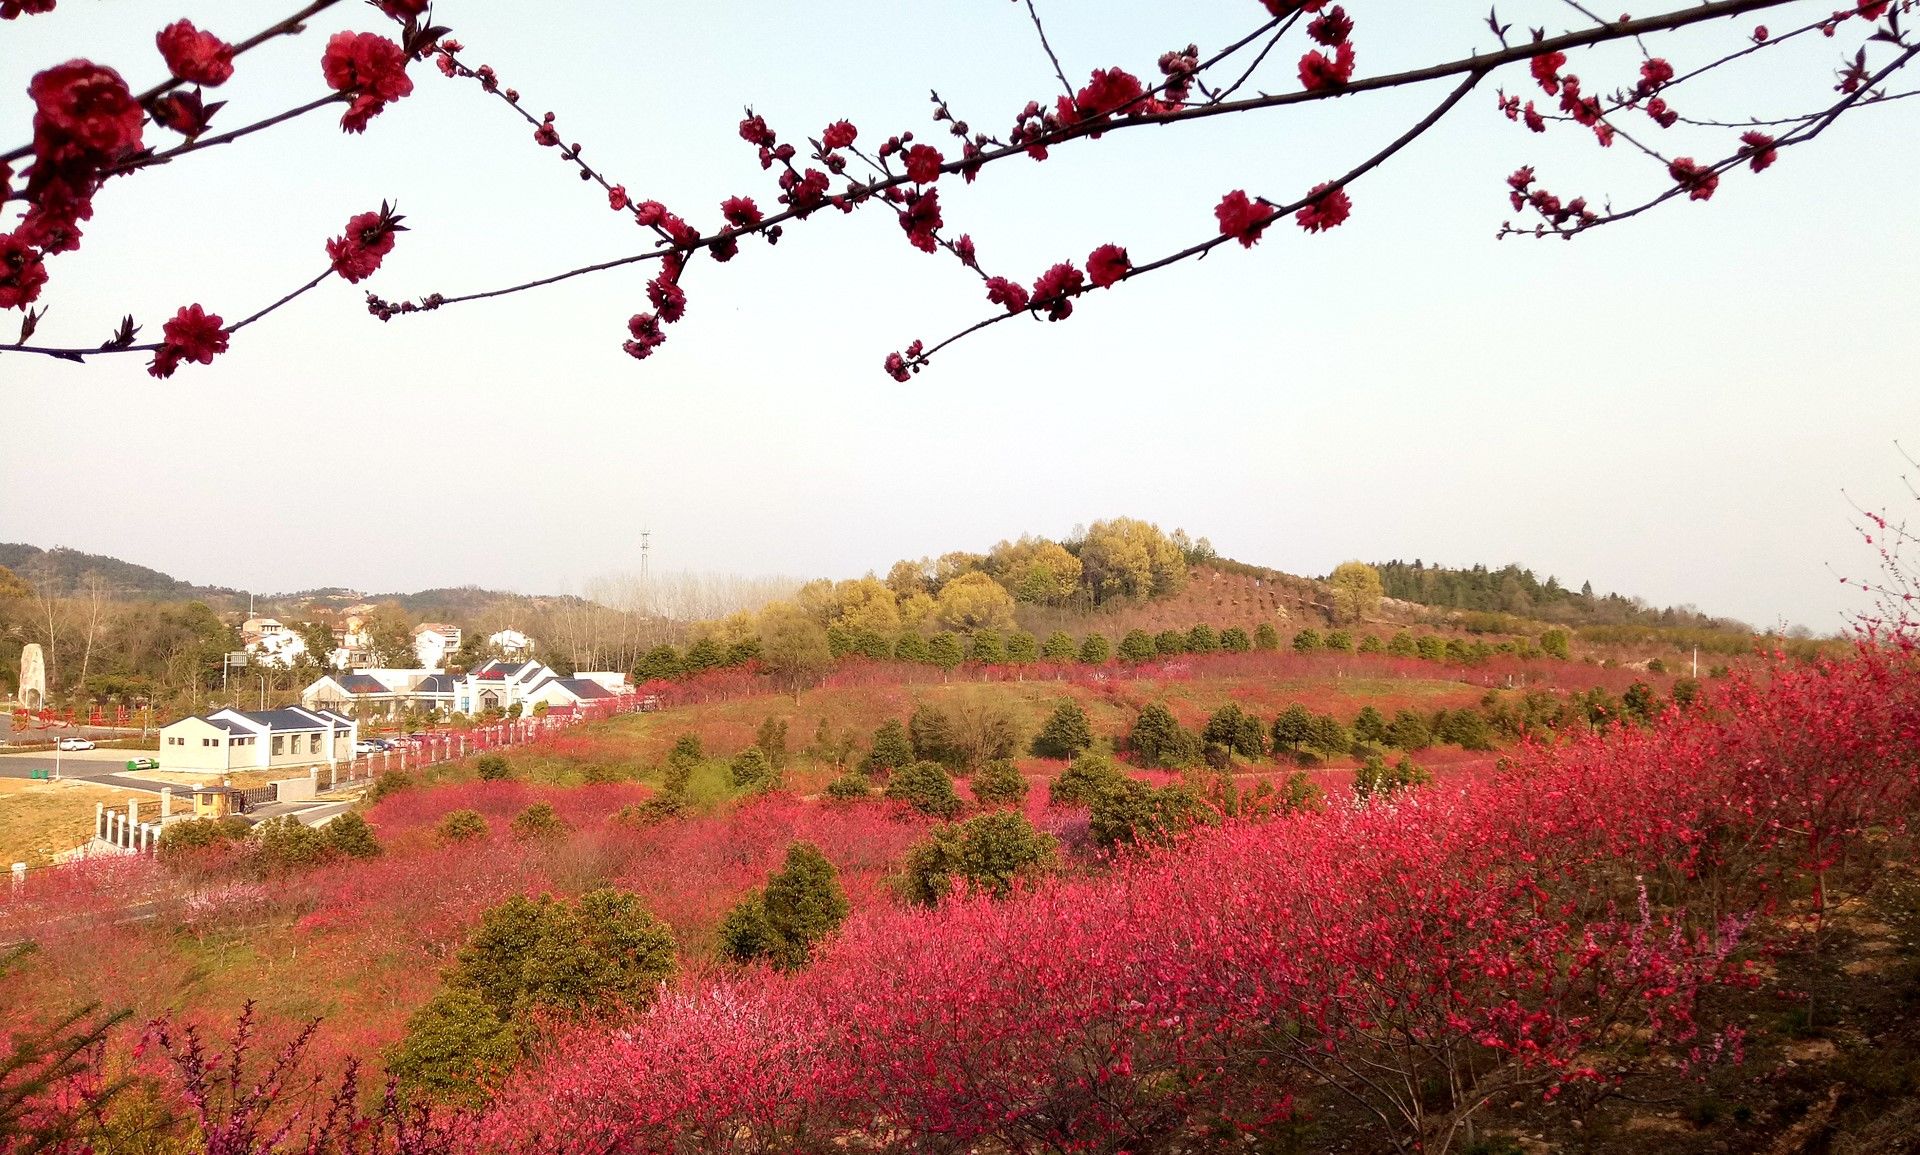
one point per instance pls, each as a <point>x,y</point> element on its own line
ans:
<point>974,602</point>
<point>1036,570</point>
<point>1131,558</point>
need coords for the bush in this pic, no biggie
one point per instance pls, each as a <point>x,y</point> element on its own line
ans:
<point>1369,726</point>
<point>944,650</point>
<point>1066,732</point>
<point>1202,640</point>
<point>772,740</point>
<point>1340,642</point>
<point>1095,650</point>
<point>848,788</point>
<point>927,787</point>
<point>801,905</point>
<point>999,783</point>
<point>987,648</point>
<point>1265,637</point>
<point>191,834</point>
<point>992,854</point>
<point>1079,783</point>
<point>660,808</point>
<point>349,834</point>
<point>1157,739</point>
<point>1371,644</point>
<point>456,1048</point>
<point>1376,779</point>
<point>1023,649</point>
<point>1431,647</point>
<point>930,733</point>
<point>678,771</point>
<point>891,750</point>
<point>979,735</point>
<point>1306,641</point>
<point>288,844</point>
<point>1467,729</point>
<point>1170,642</point>
<point>392,782</point>
<point>462,826</point>
<point>490,767</point>
<point>1402,645</point>
<point>538,821</point>
<point>1132,812</point>
<point>1408,731</point>
<point>1293,728</point>
<point>1137,646</point>
<point>1234,640</point>
<point>1556,644</point>
<point>750,770</point>
<point>1059,647</point>
<point>1329,736</point>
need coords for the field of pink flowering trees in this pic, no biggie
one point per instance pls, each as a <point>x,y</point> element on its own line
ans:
<point>1598,932</point>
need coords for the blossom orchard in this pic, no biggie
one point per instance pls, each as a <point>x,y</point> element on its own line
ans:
<point>90,126</point>
<point>1547,933</point>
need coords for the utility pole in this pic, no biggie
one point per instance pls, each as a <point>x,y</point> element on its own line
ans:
<point>1696,663</point>
<point>644,547</point>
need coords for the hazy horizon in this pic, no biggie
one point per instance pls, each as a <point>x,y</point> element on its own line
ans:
<point>1674,408</point>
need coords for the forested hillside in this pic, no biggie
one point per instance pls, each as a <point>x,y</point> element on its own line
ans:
<point>1512,589</point>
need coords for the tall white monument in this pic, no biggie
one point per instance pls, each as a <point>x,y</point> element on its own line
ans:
<point>33,677</point>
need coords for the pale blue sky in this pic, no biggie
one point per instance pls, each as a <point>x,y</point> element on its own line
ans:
<point>1670,407</point>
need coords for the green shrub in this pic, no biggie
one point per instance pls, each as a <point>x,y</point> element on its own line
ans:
<point>1402,645</point>
<point>1023,649</point>
<point>891,750</point>
<point>538,821</point>
<point>1132,812</point>
<point>1467,729</point>
<point>1059,647</point>
<point>1306,641</point>
<point>930,733</point>
<point>1202,640</point>
<point>350,835</point>
<point>750,770</point>
<point>1079,783</point>
<point>1137,646</point>
<point>1265,637</point>
<point>1409,731</point>
<point>490,767</point>
<point>462,826</point>
<point>1556,644</point>
<point>1293,728</point>
<point>849,788</point>
<point>1376,779</point>
<point>802,904</point>
<point>1234,640</point>
<point>927,787</point>
<point>987,648</point>
<point>1235,730</point>
<point>772,741</point>
<point>1066,732</point>
<point>1095,650</point>
<point>392,782</point>
<point>911,648</point>
<point>655,810</point>
<point>456,1048</point>
<point>1170,642</point>
<point>999,783</point>
<point>190,834</point>
<point>943,650</point>
<point>1431,647</point>
<point>1340,642</point>
<point>1157,738</point>
<point>286,843</point>
<point>991,853</point>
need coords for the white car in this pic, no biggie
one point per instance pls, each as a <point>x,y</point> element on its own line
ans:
<point>75,744</point>
<point>365,747</point>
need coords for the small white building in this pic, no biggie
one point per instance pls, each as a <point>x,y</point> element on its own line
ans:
<point>271,643</point>
<point>228,740</point>
<point>511,644</point>
<point>434,643</point>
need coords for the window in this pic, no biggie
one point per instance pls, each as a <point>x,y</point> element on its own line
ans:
<point>313,743</point>
<point>277,741</point>
<point>206,741</point>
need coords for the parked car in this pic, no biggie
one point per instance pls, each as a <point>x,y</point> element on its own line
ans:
<point>143,763</point>
<point>365,746</point>
<point>75,744</point>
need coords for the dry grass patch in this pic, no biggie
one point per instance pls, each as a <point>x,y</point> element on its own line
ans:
<point>41,819</point>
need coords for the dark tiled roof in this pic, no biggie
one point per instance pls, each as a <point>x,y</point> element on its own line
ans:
<point>362,684</point>
<point>436,684</point>
<point>585,688</point>
<point>227,724</point>
<point>285,719</point>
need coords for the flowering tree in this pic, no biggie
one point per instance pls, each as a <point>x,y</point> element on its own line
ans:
<point>90,127</point>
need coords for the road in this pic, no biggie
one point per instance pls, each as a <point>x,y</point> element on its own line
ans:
<point>98,767</point>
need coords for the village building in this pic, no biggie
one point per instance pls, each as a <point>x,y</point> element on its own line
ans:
<point>271,643</point>
<point>435,643</point>
<point>227,740</point>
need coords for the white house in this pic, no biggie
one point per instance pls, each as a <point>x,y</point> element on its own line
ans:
<point>510,644</point>
<point>227,740</point>
<point>497,685</point>
<point>566,692</point>
<point>270,642</point>
<point>434,643</point>
<point>352,643</point>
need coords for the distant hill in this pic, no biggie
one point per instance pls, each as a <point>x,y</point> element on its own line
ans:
<point>65,570</point>
<point>1516,591</point>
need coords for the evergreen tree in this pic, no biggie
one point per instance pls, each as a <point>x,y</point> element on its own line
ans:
<point>704,654</point>
<point>1340,642</point>
<point>992,854</point>
<point>891,749</point>
<point>1023,649</point>
<point>1306,641</point>
<point>1234,640</point>
<point>1369,726</point>
<point>1170,642</point>
<point>999,783</point>
<point>1137,646</point>
<point>658,664</point>
<point>1402,645</point>
<point>1157,738</point>
<point>1409,731</point>
<point>912,648</point>
<point>1059,647</point>
<point>1095,650</point>
<point>1371,644</point>
<point>1266,637</point>
<point>943,650</point>
<point>926,787</point>
<point>1066,732</point>
<point>772,741</point>
<point>350,835</point>
<point>751,770</point>
<point>986,648</point>
<point>1293,728</point>
<point>1202,640</point>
